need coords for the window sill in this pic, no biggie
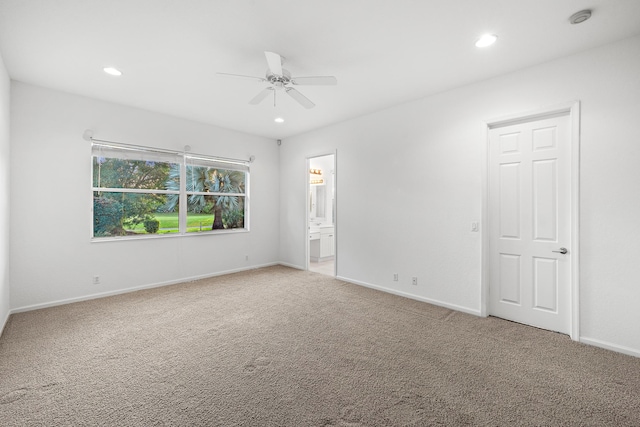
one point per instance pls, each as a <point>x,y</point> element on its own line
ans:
<point>167,235</point>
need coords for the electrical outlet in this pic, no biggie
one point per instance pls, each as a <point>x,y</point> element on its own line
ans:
<point>246,257</point>
<point>414,281</point>
<point>96,280</point>
<point>395,277</point>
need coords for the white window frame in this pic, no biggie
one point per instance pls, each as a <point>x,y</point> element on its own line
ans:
<point>184,159</point>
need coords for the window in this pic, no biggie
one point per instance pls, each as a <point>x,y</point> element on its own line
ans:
<point>142,191</point>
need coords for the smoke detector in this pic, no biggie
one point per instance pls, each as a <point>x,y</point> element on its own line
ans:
<point>580,17</point>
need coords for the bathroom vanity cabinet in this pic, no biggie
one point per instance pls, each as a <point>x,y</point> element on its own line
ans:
<point>322,243</point>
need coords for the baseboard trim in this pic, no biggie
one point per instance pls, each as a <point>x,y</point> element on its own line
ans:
<point>286,264</point>
<point>610,346</point>
<point>412,296</point>
<point>4,323</point>
<point>136,288</point>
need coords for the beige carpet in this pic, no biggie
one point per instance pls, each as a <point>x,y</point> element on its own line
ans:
<point>282,347</point>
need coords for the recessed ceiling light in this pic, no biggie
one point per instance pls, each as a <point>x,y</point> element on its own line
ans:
<point>112,71</point>
<point>486,40</point>
<point>278,120</point>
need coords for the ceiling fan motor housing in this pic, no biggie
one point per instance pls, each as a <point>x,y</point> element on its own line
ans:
<point>279,81</point>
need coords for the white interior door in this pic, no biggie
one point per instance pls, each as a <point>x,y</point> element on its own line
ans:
<point>529,223</point>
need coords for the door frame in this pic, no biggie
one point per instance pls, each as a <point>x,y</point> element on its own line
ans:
<point>308,158</point>
<point>572,109</point>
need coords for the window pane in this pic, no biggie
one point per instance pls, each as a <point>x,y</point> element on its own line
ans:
<point>206,213</point>
<point>125,178</point>
<point>216,163</point>
<point>204,179</point>
<point>129,214</point>
<point>111,172</point>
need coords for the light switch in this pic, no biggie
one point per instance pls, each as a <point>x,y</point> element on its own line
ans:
<point>475,227</point>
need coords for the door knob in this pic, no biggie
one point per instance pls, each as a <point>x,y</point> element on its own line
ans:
<point>562,251</point>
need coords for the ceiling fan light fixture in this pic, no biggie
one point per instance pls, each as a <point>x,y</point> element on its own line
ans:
<point>112,71</point>
<point>486,40</point>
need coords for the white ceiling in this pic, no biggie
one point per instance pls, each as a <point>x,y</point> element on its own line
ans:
<point>383,52</point>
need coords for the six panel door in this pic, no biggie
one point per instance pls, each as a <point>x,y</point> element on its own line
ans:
<point>529,223</point>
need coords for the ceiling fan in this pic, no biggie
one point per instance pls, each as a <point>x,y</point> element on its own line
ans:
<point>280,79</point>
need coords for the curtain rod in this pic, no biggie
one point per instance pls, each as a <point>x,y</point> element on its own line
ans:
<point>88,136</point>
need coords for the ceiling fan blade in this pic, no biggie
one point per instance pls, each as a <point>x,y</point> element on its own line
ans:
<point>302,100</point>
<point>261,96</point>
<point>315,81</point>
<point>275,62</point>
<point>240,76</point>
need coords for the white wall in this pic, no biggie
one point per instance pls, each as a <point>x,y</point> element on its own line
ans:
<point>4,193</point>
<point>53,259</point>
<point>409,185</point>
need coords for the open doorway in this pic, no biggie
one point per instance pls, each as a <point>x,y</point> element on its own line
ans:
<point>321,214</point>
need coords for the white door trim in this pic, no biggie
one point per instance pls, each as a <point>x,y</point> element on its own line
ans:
<point>573,111</point>
<point>333,153</point>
